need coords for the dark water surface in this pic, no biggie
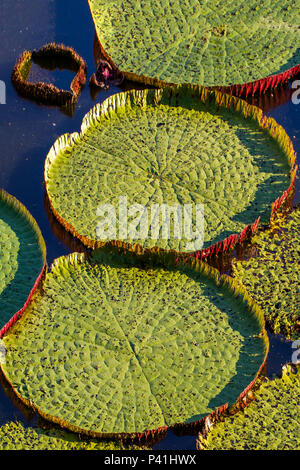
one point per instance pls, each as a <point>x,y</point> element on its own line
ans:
<point>27,131</point>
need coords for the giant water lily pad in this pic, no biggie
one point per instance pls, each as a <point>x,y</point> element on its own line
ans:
<point>273,278</point>
<point>271,422</point>
<point>192,41</point>
<point>14,436</point>
<point>176,147</point>
<point>120,345</point>
<point>22,258</point>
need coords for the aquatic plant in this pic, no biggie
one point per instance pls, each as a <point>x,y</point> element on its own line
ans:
<point>14,436</point>
<point>248,47</point>
<point>22,259</point>
<point>105,76</point>
<point>272,276</point>
<point>269,422</point>
<point>59,55</point>
<point>129,342</point>
<point>184,145</point>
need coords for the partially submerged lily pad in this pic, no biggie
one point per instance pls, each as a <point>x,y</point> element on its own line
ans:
<point>22,259</point>
<point>190,41</point>
<point>271,422</point>
<point>125,345</point>
<point>14,436</point>
<point>50,56</point>
<point>273,277</point>
<point>176,147</point>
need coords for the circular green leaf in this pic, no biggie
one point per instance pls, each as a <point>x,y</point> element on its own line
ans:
<point>112,347</point>
<point>172,148</point>
<point>191,41</point>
